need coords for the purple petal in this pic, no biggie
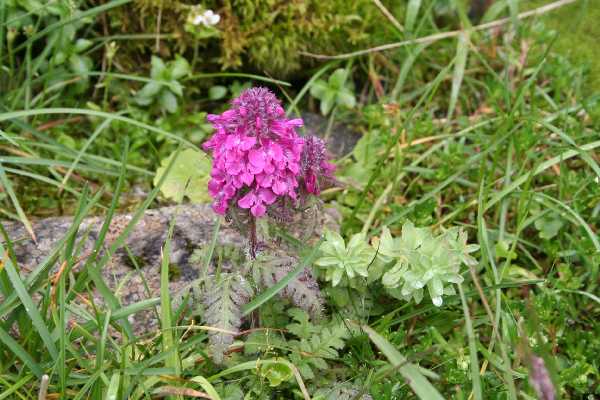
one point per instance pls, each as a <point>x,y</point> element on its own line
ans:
<point>275,152</point>
<point>234,167</point>
<point>310,181</point>
<point>267,196</point>
<point>258,210</point>
<point>214,187</point>
<point>247,178</point>
<point>295,122</point>
<point>247,142</point>
<point>279,186</point>
<point>257,159</point>
<point>220,207</point>
<point>248,200</point>
<point>269,168</point>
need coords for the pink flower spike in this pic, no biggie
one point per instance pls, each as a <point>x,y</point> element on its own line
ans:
<point>256,154</point>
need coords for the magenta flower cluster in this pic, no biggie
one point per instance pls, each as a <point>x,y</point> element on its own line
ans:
<point>258,156</point>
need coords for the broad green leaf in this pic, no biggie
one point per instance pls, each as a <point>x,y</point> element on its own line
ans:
<point>276,373</point>
<point>346,98</point>
<point>113,386</point>
<point>188,177</point>
<point>158,68</point>
<point>168,101</point>
<point>338,78</point>
<point>179,68</point>
<point>318,89</point>
<point>145,95</point>
<point>327,101</point>
<point>548,226</point>
<point>176,87</point>
<point>82,45</point>
<point>80,64</point>
<point>217,92</point>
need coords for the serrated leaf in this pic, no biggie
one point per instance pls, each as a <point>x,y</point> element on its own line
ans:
<point>223,301</point>
<point>188,177</point>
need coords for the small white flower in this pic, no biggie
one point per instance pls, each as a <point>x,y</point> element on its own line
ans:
<point>207,18</point>
<point>198,19</point>
<point>210,18</point>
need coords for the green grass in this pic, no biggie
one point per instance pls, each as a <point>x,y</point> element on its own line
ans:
<point>577,30</point>
<point>454,133</point>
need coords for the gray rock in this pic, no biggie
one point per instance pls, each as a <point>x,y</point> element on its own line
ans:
<point>342,137</point>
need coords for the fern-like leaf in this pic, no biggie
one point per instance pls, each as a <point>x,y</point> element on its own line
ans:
<point>223,301</point>
<point>341,392</point>
<point>303,291</point>
<point>316,344</point>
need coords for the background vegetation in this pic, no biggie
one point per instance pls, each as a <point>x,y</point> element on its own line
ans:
<point>494,131</point>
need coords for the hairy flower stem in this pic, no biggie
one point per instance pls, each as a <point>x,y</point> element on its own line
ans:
<point>253,240</point>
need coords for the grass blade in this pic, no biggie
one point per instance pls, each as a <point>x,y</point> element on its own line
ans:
<point>30,307</point>
<point>460,62</point>
<point>93,113</point>
<point>171,361</point>
<point>474,365</point>
<point>20,352</point>
<point>15,201</point>
<point>415,379</point>
<point>412,10</point>
<point>113,387</point>
<point>207,386</point>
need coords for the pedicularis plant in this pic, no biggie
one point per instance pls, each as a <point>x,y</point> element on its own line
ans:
<point>264,174</point>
